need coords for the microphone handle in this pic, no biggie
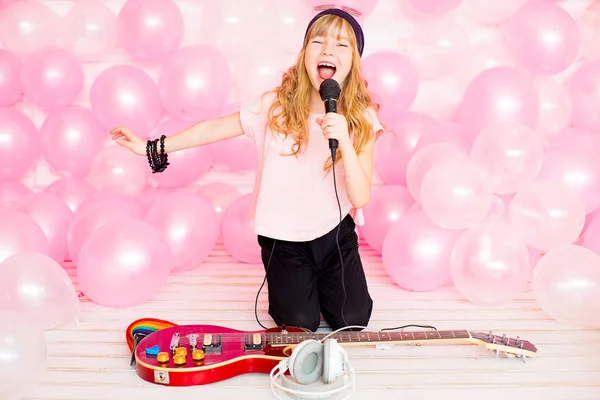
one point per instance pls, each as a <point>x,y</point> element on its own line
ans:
<point>331,106</point>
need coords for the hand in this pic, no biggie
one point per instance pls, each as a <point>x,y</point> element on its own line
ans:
<point>126,138</point>
<point>335,126</point>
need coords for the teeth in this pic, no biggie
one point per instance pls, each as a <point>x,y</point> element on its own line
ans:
<point>324,64</point>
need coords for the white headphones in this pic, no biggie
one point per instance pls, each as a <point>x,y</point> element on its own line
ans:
<point>310,361</point>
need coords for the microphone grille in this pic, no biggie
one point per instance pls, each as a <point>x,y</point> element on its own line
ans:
<point>329,89</point>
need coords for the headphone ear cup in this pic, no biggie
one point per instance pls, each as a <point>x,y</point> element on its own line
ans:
<point>306,362</point>
<point>333,360</point>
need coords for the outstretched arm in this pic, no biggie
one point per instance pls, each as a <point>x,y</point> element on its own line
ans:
<point>202,133</point>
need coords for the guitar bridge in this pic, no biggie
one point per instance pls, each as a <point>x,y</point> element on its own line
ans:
<point>253,342</point>
<point>211,344</point>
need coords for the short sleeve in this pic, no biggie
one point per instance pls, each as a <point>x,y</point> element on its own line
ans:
<point>375,123</point>
<point>254,115</point>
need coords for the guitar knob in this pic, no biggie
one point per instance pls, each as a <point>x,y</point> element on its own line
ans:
<point>162,357</point>
<point>179,359</point>
<point>198,355</point>
<point>181,351</point>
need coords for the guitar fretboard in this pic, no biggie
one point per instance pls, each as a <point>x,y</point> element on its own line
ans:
<point>367,337</point>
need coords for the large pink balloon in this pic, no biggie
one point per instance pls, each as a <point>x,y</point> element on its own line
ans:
<point>455,194</point>
<point>393,80</point>
<point>123,264</point>
<point>490,263</point>
<point>90,29</point>
<point>38,287</point>
<point>12,191</point>
<point>237,230</point>
<point>394,149</point>
<point>590,35</point>
<point>124,95</point>
<point>510,154</point>
<point>185,166</point>
<point>591,234</point>
<point>220,194</point>
<point>28,25</point>
<point>445,132</point>
<point>577,165</point>
<point>565,285</point>
<point>422,162</point>
<point>52,77</point>
<point>416,253</point>
<point>53,216</point>
<point>556,107</point>
<point>543,37</point>
<point>190,226</point>
<point>20,233</point>
<point>73,191</point>
<point>71,138</point>
<point>194,83</point>
<point>150,29</point>
<point>116,169</point>
<point>388,204</point>
<point>584,88</point>
<point>548,214</point>
<point>20,144</point>
<point>23,356</point>
<point>499,94</point>
<point>11,90</point>
<point>365,7</point>
<point>434,6</point>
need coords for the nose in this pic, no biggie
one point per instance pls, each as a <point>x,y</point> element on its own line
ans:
<point>328,49</point>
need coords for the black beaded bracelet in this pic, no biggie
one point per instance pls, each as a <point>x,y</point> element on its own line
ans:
<point>158,162</point>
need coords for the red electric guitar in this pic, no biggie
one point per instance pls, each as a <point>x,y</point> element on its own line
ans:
<point>172,355</point>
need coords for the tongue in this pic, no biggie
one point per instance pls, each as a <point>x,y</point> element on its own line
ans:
<point>326,72</point>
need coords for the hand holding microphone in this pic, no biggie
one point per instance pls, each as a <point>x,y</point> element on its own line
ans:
<point>335,126</point>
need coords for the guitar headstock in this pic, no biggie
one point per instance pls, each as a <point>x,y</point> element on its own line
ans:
<point>514,347</point>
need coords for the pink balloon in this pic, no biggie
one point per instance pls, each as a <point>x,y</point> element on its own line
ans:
<point>510,154</point>
<point>445,132</point>
<point>190,226</point>
<point>52,78</point>
<point>565,285</point>
<point>588,27</point>
<point>591,234</point>
<point>572,136</point>
<point>53,216</point>
<point>455,194</point>
<point>12,191</point>
<point>492,12</point>
<point>179,87</point>
<point>147,197</point>
<point>24,356</point>
<point>578,167</point>
<point>124,95</point>
<point>38,287</point>
<point>71,138</point>
<point>150,29</point>
<point>185,166</point>
<point>490,263</point>
<point>584,88</point>
<point>434,6</point>
<point>11,90</point>
<point>93,216</point>
<point>499,94</point>
<point>365,7</point>
<point>422,162</point>
<point>543,37</point>
<point>237,230</point>
<point>90,29</point>
<point>393,80</point>
<point>220,194</point>
<point>20,233</point>
<point>394,149</point>
<point>28,25</point>
<point>73,191</point>
<point>123,264</point>
<point>416,253</point>
<point>20,144</point>
<point>548,213</point>
<point>116,169</point>
<point>556,107</point>
<point>388,204</point>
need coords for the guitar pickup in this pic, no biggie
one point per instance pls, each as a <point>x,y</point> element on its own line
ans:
<point>212,344</point>
<point>174,342</point>
<point>253,342</point>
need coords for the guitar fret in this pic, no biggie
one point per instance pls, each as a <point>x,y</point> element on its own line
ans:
<point>368,337</point>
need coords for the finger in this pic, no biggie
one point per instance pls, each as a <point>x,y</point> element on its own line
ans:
<point>319,121</point>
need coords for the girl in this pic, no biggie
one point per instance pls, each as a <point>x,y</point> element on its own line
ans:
<point>309,251</point>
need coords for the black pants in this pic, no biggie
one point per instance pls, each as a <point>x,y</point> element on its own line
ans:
<point>305,280</point>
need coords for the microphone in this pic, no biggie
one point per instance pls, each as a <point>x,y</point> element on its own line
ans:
<point>330,93</point>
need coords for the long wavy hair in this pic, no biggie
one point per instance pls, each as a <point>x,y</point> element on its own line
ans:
<point>290,111</point>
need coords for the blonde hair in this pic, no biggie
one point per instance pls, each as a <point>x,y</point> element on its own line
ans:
<point>293,95</point>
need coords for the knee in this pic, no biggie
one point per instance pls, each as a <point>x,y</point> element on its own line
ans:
<point>358,317</point>
<point>302,319</point>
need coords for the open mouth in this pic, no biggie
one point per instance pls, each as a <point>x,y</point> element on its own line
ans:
<point>326,70</point>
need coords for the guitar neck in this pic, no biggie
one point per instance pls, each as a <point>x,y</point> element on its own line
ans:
<point>357,338</point>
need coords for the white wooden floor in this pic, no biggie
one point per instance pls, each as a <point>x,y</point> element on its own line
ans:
<point>91,361</point>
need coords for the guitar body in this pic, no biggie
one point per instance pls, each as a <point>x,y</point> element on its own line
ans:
<point>227,353</point>
<point>188,355</point>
